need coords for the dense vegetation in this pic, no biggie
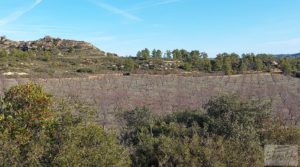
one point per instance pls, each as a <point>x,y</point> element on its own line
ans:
<point>228,63</point>
<point>35,133</point>
<point>53,63</point>
<point>39,130</point>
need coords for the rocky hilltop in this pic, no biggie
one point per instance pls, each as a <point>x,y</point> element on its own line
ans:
<point>51,44</point>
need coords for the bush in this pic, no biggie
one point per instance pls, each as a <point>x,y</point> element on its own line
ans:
<point>91,146</point>
<point>132,121</point>
<point>19,54</point>
<point>35,133</point>
<point>230,132</point>
<point>230,117</point>
<point>167,145</point>
<point>25,111</point>
<point>3,53</point>
<point>25,106</point>
<point>48,71</point>
<point>85,70</point>
<point>129,65</point>
<point>187,66</point>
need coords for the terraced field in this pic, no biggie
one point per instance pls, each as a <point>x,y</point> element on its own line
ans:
<point>164,94</point>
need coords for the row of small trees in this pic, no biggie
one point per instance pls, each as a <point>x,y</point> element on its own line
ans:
<point>228,63</point>
<point>37,130</point>
<point>188,60</point>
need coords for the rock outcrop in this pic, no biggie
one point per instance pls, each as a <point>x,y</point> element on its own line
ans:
<point>51,44</point>
<point>7,44</point>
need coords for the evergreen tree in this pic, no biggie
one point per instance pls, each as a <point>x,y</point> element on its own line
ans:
<point>243,67</point>
<point>227,68</point>
<point>218,66</point>
<point>258,64</point>
<point>286,66</point>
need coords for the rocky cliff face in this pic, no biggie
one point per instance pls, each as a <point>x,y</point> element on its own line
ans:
<point>51,44</point>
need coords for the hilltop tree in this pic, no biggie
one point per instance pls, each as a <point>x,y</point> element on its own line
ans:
<point>227,66</point>
<point>168,54</point>
<point>249,59</point>
<point>218,66</point>
<point>203,63</point>
<point>234,60</point>
<point>258,64</point>
<point>177,54</point>
<point>207,64</point>
<point>194,56</point>
<point>286,66</point>
<point>185,55</point>
<point>243,66</point>
<point>144,54</point>
<point>156,53</point>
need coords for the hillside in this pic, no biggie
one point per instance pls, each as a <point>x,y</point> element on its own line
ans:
<point>56,57</point>
<point>53,45</point>
<point>296,55</point>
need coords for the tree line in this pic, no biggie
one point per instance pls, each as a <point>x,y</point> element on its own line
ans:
<point>228,63</point>
<point>38,130</point>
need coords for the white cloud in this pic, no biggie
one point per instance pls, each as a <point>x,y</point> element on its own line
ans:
<point>17,14</point>
<point>116,10</point>
<point>126,14</point>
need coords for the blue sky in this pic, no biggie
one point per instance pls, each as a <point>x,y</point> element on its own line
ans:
<point>126,26</point>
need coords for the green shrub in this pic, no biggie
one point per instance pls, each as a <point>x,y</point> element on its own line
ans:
<point>187,66</point>
<point>3,53</point>
<point>230,132</point>
<point>44,70</point>
<point>26,106</point>
<point>85,70</point>
<point>35,133</point>
<point>25,111</point>
<point>129,65</point>
<point>91,146</point>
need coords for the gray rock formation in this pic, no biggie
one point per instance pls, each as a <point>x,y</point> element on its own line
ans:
<point>50,44</point>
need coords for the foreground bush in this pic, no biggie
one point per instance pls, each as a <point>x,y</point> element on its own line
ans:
<point>89,146</point>
<point>229,133</point>
<point>34,133</point>
<point>24,113</point>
